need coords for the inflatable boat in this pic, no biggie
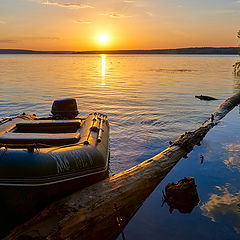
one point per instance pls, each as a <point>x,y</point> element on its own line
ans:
<point>42,159</point>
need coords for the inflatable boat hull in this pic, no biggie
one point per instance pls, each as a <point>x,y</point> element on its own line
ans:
<point>42,160</point>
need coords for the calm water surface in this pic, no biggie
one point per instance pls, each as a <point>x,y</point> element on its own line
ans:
<point>149,100</point>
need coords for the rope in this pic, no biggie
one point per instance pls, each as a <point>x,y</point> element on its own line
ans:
<point>25,117</point>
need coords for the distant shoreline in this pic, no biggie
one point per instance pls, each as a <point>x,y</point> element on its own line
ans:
<point>194,50</point>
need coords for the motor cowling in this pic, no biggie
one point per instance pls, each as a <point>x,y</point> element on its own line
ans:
<point>65,108</point>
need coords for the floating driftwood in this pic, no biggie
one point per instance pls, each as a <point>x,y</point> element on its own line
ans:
<point>206,98</point>
<point>103,209</point>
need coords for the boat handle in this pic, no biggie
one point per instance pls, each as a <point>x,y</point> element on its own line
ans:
<point>99,139</point>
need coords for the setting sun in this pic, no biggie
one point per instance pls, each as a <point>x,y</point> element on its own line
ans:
<point>103,38</point>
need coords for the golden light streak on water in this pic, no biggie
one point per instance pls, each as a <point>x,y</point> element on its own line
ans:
<point>103,70</point>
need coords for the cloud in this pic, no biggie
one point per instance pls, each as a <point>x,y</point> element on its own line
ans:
<point>8,41</point>
<point>64,4</point>
<point>224,11</point>
<point>115,15</point>
<point>149,14</point>
<point>20,39</point>
<point>2,22</point>
<point>233,161</point>
<point>83,22</point>
<point>129,1</point>
<point>223,206</point>
<point>44,38</point>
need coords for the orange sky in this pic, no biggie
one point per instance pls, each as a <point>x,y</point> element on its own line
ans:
<point>129,24</point>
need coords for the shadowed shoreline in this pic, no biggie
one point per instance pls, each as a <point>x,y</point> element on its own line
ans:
<point>194,50</point>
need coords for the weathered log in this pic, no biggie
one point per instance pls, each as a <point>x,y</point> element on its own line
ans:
<point>103,209</point>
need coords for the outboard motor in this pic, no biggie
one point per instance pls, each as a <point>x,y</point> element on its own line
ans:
<point>65,108</point>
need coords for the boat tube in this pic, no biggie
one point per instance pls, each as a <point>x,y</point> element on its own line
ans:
<point>42,159</point>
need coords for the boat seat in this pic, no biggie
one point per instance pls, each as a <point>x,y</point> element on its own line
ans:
<point>56,139</point>
<point>48,127</point>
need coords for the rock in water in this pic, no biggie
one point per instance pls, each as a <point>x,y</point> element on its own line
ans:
<point>182,195</point>
<point>206,98</point>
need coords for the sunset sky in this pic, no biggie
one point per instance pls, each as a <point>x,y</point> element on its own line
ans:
<point>118,24</point>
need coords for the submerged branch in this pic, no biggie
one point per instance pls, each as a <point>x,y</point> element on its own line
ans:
<point>103,209</point>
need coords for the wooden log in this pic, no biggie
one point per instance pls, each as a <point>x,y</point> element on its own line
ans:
<point>103,209</point>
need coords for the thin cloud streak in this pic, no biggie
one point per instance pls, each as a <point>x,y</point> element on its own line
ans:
<point>70,5</point>
<point>8,41</point>
<point>149,14</point>
<point>27,39</point>
<point>129,1</point>
<point>226,11</point>
<point>42,38</point>
<point>115,15</point>
<point>2,22</point>
<point>82,22</point>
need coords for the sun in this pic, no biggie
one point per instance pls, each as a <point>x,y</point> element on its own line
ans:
<point>103,38</point>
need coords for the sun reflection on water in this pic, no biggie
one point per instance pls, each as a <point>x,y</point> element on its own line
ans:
<point>103,70</point>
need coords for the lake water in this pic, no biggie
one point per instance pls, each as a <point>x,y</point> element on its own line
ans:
<point>150,100</point>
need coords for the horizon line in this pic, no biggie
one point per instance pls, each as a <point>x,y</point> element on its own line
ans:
<point>109,50</point>
<point>190,50</point>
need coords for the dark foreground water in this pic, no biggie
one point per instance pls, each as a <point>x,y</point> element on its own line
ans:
<point>218,214</point>
<point>149,101</point>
